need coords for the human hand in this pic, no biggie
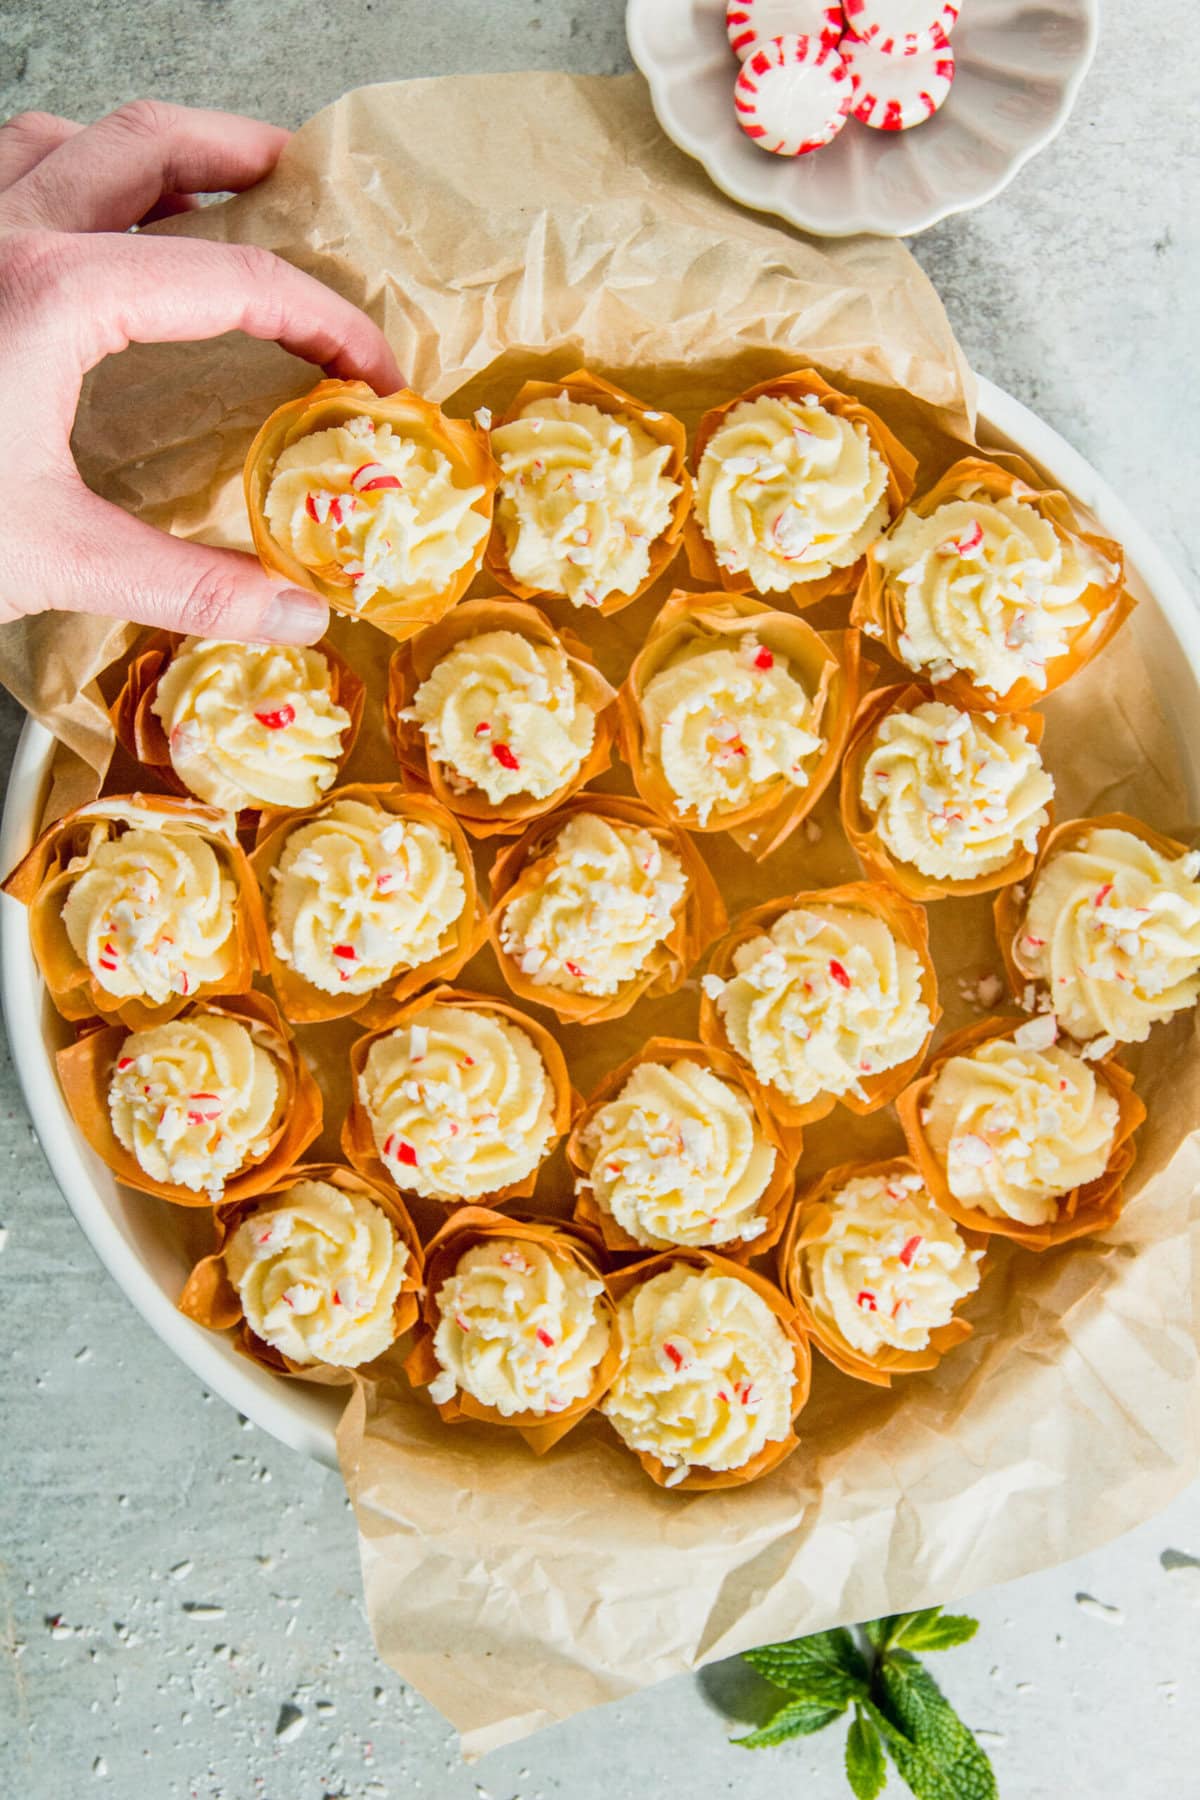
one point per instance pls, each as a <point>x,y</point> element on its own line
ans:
<point>74,288</point>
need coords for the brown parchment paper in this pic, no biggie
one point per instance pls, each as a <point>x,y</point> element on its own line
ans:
<point>505,228</point>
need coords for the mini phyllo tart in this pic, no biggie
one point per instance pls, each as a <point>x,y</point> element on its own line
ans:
<point>1106,932</point>
<point>241,726</point>
<point>320,1272</point>
<point>517,1325</point>
<point>382,506</point>
<point>212,1105</point>
<point>940,801</point>
<point>593,494</point>
<point>599,903</point>
<point>370,893</point>
<point>714,1369</point>
<point>678,1149</point>
<point>794,481</point>
<point>1018,1135</point>
<point>877,1271</point>
<point>988,587</point>
<point>458,1098</point>
<point>138,904</point>
<point>734,715</point>
<point>826,997</point>
<point>497,715</point>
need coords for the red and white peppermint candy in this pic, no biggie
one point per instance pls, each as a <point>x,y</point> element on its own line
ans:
<point>902,27</point>
<point>752,22</point>
<point>892,93</point>
<point>793,95</point>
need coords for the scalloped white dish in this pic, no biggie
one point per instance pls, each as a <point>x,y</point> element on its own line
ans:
<point>1019,67</point>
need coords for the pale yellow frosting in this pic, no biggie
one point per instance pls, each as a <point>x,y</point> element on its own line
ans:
<point>503,714</point>
<point>334,501</point>
<point>583,496</point>
<point>988,587</point>
<point>460,1103</point>
<point>828,997</point>
<point>151,911</point>
<point>251,724</point>
<point>607,896</point>
<point>707,1371</point>
<point>1016,1128</point>
<point>727,725</point>
<point>677,1157</point>
<point>1113,930</point>
<point>954,794</point>
<point>318,1270</point>
<point>195,1100</point>
<point>788,492</point>
<point>519,1329</point>
<point>359,894</point>
<point>891,1266</point>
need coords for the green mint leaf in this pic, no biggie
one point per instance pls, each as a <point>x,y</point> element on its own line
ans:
<point>932,1748</point>
<point>877,1630</point>
<point>935,1630</point>
<point>826,1663</point>
<point>795,1718</point>
<point>866,1768</point>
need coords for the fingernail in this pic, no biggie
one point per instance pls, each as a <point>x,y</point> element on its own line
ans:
<point>295,617</point>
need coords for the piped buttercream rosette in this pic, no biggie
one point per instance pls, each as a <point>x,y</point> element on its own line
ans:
<point>516,1328</point>
<point>734,716</point>
<point>498,715</point>
<point>989,587</point>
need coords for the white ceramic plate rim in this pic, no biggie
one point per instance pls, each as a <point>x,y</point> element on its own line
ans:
<point>301,1416</point>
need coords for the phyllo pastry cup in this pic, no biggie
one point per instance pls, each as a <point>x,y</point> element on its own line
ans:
<point>385,513</point>
<point>680,1141</point>
<point>213,1105</point>
<point>734,716</point>
<point>877,1272</point>
<point>239,726</point>
<point>970,635</point>
<point>966,794</point>
<point>369,873</point>
<point>605,901</point>
<point>582,516</point>
<point>517,1326</point>
<point>459,1097</point>
<point>1105,933</point>
<point>524,706</point>
<point>831,991</point>
<point>758,523</point>
<point>714,1370</point>
<point>1003,1114</point>
<point>318,1274</point>
<point>138,905</point>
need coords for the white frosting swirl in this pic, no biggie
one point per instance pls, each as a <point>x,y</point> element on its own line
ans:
<point>825,999</point>
<point>519,1329</point>
<point>359,894</point>
<point>195,1100</point>
<point>788,492</point>
<point>707,1371</point>
<point>607,896</point>
<point>503,714</point>
<point>583,496</point>
<point>1112,928</point>
<point>251,724</point>
<point>727,725</point>
<point>318,1270</point>
<point>382,508</point>
<point>891,1267</point>
<point>460,1103</point>
<point>1017,1128</point>
<point>988,587</point>
<point>151,911</point>
<point>677,1157</point>
<point>954,794</point>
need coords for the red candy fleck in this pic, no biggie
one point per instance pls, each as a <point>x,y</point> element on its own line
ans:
<point>838,972</point>
<point>346,952</point>
<point>674,1354</point>
<point>468,1062</point>
<point>910,1250</point>
<point>543,1337</point>
<point>1103,893</point>
<point>505,757</point>
<point>280,719</point>
<point>574,969</point>
<point>310,507</point>
<point>971,539</point>
<point>126,1062</point>
<point>369,477</point>
<point>482,729</point>
<point>407,1155</point>
<point>867,1299</point>
<point>764,659</point>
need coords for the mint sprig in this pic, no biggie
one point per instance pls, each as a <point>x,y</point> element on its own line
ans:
<point>899,1710</point>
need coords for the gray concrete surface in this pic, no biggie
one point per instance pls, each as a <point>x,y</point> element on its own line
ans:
<point>166,1593</point>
